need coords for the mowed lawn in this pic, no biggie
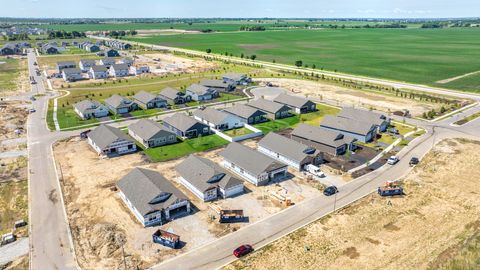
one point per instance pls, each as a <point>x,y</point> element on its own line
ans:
<point>186,147</point>
<point>413,55</point>
<point>313,119</point>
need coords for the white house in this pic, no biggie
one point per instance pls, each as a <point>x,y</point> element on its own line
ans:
<point>87,109</point>
<point>110,141</point>
<point>137,70</point>
<point>118,70</point>
<point>86,64</point>
<point>217,119</point>
<point>71,74</point>
<point>98,72</point>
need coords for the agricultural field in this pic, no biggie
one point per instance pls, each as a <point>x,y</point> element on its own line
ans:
<point>415,231</point>
<point>422,56</point>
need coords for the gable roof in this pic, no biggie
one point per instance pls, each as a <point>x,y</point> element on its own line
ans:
<point>87,105</point>
<point>66,63</point>
<point>181,121</point>
<point>250,160</point>
<point>148,129</point>
<point>287,147</point>
<point>104,135</point>
<point>198,89</point>
<point>234,76</point>
<point>170,93</point>
<point>117,101</point>
<point>99,68</point>
<point>108,59</point>
<point>198,171</point>
<point>119,66</point>
<point>88,62</point>
<point>347,124</point>
<point>215,83</point>
<point>145,97</point>
<point>141,186</point>
<point>267,105</point>
<point>243,111</point>
<point>292,101</point>
<point>211,115</point>
<point>71,70</point>
<point>362,115</point>
<point>322,135</point>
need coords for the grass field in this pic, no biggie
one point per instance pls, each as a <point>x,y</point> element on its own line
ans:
<point>414,55</point>
<point>237,132</point>
<point>9,72</point>
<point>184,148</point>
<point>14,204</point>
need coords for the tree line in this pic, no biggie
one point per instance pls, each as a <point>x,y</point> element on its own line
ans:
<point>65,35</point>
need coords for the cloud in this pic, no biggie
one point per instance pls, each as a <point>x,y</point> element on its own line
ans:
<point>415,11</point>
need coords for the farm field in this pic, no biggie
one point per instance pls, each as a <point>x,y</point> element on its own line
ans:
<point>414,55</point>
<point>377,233</point>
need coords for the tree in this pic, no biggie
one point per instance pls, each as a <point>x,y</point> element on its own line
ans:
<point>313,66</point>
<point>253,57</point>
<point>299,63</point>
<point>209,50</point>
<point>241,55</point>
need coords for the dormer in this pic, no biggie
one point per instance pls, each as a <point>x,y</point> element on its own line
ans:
<point>216,178</point>
<point>160,198</point>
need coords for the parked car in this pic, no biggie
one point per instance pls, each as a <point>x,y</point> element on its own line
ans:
<point>31,110</point>
<point>34,63</point>
<point>414,161</point>
<point>393,160</point>
<point>242,250</point>
<point>314,170</point>
<point>32,98</point>
<point>331,190</point>
<point>33,82</point>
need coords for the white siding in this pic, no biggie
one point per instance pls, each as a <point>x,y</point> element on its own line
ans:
<point>277,156</point>
<point>256,180</point>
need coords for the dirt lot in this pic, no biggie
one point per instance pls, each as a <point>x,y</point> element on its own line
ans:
<point>350,97</point>
<point>436,225</point>
<point>100,221</point>
<point>13,115</point>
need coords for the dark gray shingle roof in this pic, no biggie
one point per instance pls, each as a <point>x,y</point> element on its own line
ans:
<point>148,129</point>
<point>104,135</point>
<point>170,93</point>
<point>211,115</point>
<point>292,101</point>
<point>87,105</point>
<point>362,115</point>
<point>198,89</point>
<point>117,101</point>
<point>347,124</point>
<point>145,97</point>
<point>287,147</point>
<point>243,111</point>
<point>181,121</point>
<point>267,105</point>
<point>321,135</point>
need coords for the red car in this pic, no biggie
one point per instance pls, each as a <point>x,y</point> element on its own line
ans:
<point>242,250</point>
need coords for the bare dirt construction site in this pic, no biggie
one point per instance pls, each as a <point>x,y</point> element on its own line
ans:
<point>350,97</point>
<point>436,225</point>
<point>100,221</point>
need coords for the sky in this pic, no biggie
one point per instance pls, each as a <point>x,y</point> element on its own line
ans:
<point>240,9</point>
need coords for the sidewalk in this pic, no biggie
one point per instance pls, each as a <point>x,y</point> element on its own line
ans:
<point>13,250</point>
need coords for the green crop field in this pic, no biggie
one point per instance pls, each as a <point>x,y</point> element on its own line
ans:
<point>414,55</point>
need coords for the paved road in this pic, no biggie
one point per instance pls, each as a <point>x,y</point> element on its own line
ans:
<point>13,250</point>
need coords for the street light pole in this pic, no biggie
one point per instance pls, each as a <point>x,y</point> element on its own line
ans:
<point>335,202</point>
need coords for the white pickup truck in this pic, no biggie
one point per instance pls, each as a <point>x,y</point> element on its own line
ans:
<point>314,170</point>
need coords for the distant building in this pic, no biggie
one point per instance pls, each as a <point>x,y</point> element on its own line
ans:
<point>98,72</point>
<point>220,85</point>
<point>71,74</point>
<point>92,48</point>
<point>86,64</point>
<point>87,109</point>
<point>137,70</point>
<point>111,53</point>
<point>201,93</point>
<point>118,70</point>
<point>236,78</point>
<point>65,64</point>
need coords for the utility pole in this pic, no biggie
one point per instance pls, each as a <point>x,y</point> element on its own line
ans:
<point>123,254</point>
<point>335,202</point>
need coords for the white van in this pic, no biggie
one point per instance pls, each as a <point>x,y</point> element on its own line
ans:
<point>314,170</point>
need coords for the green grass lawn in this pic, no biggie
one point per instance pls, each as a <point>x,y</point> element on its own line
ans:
<point>237,132</point>
<point>13,205</point>
<point>75,50</point>
<point>68,118</point>
<point>413,55</point>
<point>184,148</point>
<point>9,71</point>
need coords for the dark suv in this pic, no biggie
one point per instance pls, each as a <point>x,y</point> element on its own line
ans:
<point>329,191</point>
<point>414,161</point>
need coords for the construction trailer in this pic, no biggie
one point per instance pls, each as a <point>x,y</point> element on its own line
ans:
<point>390,189</point>
<point>231,216</point>
<point>167,239</point>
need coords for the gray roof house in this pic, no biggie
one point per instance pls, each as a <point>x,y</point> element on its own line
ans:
<point>119,70</point>
<point>147,100</point>
<point>207,180</point>
<point>325,140</point>
<point>185,126</point>
<point>220,85</point>
<point>247,114</point>
<point>107,61</point>
<point>120,105</point>
<point>174,95</point>
<point>274,110</point>
<point>236,78</point>
<point>298,104</point>
<point>65,64</point>
<point>151,198</point>
<point>71,74</point>
<point>362,131</point>
<point>378,119</point>
<point>217,119</point>
<point>110,141</point>
<point>127,61</point>
<point>98,72</point>
<point>86,64</point>
<point>87,109</point>
<point>252,165</point>
<point>199,92</point>
<point>288,151</point>
<point>150,133</point>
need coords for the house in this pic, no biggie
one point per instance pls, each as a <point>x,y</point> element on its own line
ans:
<point>98,72</point>
<point>65,64</point>
<point>111,53</point>
<point>325,140</point>
<point>151,198</point>
<point>236,78</point>
<point>107,61</point>
<point>288,151</point>
<point>92,48</point>
<point>71,74</point>
<point>86,64</point>
<point>118,70</point>
<point>150,133</point>
<point>127,61</point>
<point>362,131</point>
<point>147,100</point>
<point>174,95</point>
<point>137,70</point>
<point>120,105</point>
<point>252,165</point>
<point>298,104</point>
<point>8,49</point>
<point>217,119</point>
<point>219,85</point>
<point>87,109</point>
<point>247,114</point>
<point>378,119</point>
<point>185,126</point>
<point>207,180</point>
<point>49,49</point>
<point>110,141</point>
<point>199,92</point>
<point>272,109</point>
